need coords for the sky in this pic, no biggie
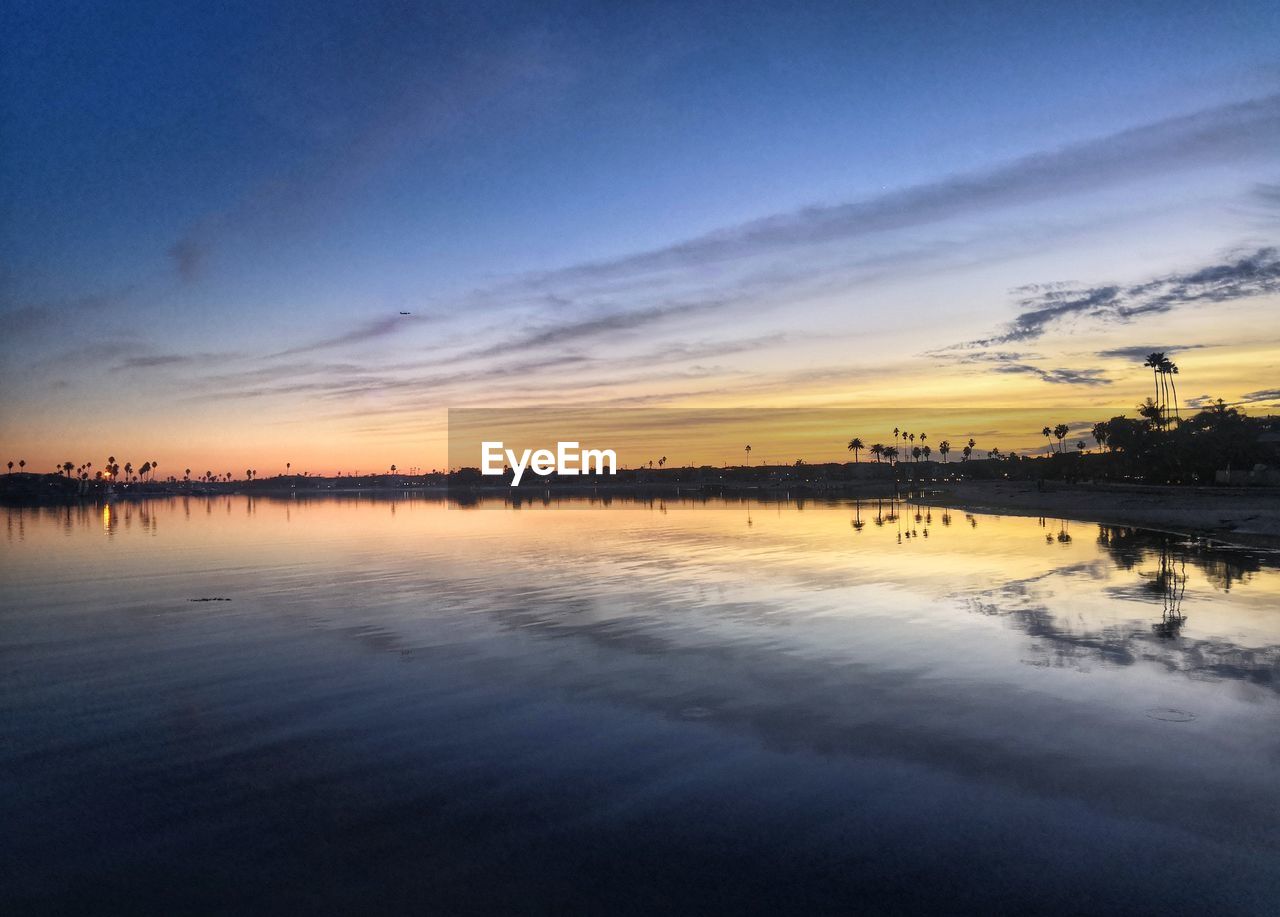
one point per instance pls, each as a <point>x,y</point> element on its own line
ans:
<point>979,215</point>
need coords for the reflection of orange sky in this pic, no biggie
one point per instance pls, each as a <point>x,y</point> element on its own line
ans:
<point>743,549</point>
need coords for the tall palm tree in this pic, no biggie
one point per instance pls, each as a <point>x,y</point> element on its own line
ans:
<point>22,463</point>
<point>895,436</point>
<point>855,446</point>
<point>287,466</point>
<point>891,453</point>
<point>1060,431</point>
<point>966,452</point>
<point>1046,433</point>
<point>1170,369</point>
<point>1099,432</point>
<point>971,444</point>
<point>877,449</point>
<point>944,447</point>
<point>915,453</point>
<point>748,451</point>
<point>1154,360</point>
<point>928,451</point>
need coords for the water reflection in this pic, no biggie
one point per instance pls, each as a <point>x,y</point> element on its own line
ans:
<point>863,689</point>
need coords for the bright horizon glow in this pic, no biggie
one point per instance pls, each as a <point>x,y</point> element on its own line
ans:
<point>213,221</point>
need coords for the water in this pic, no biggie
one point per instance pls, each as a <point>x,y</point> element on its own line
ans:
<point>743,708</point>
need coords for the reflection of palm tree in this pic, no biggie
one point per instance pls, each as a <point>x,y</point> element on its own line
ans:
<point>857,516</point>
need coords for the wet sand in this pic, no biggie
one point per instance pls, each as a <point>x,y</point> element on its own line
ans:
<point>1249,516</point>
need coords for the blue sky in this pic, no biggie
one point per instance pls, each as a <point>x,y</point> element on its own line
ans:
<point>236,203</point>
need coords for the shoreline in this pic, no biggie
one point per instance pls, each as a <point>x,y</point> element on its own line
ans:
<point>1244,517</point>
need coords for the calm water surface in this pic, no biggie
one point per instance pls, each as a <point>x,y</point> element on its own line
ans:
<point>764,708</point>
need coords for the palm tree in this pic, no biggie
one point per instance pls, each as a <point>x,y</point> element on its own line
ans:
<point>187,476</point>
<point>895,436</point>
<point>1046,433</point>
<point>928,451</point>
<point>1155,360</point>
<point>855,446</point>
<point>154,466</point>
<point>1080,446</point>
<point>1060,431</point>
<point>966,452</point>
<point>11,466</point>
<point>971,444</point>
<point>146,466</point>
<point>128,470</point>
<point>287,466</point>
<point>891,453</point>
<point>1170,369</point>
<point>662,461</point>
<point>878,451</point>
<point>22,463</point>
<point>944,447</point>
<point>915,453</point>
<point>748,451</point>
<point>1100,433</point>
<point>393,469</point>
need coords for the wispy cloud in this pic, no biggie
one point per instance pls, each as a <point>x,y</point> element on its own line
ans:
<point>365,331</point>
<point>1013,363</point>
<point>1139,351</point>
<point>1229,133</point>
<point>1042,306</point>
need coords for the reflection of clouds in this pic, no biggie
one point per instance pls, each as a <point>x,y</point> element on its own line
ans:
<point>1024,603</point>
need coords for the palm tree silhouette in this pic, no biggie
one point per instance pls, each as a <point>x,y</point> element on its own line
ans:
<point>11,466</point>
<point>1046,433</point>
<point>855,446</point>
<point>22,463</point>
<point>891,453</point>
<point>1100,434</point>
<point>1170,369</point>
<point>877,450</point>
<point>927,450</point>
<point>915,453</point>
<point>966,452</point>
<point>1060,431</point>
<point>944,447</point>
<point>1155,360</point>
<point>748,451</point>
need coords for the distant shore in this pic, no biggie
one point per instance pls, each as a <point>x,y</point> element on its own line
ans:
<point>1246,516</point>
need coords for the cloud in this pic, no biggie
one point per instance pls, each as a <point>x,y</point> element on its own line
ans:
<point>1228,133</point>
<point>1255,273</point>
<point>1013,363</point>
<point>188,257</point>
<point>1266,394</point>
<point>1140,351</point>
<point>365,331</point>
<point>157,361</point>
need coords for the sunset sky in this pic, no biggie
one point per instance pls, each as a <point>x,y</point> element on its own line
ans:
<point>979,215</point>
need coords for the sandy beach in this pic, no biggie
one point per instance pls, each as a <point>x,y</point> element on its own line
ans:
<point>1245,516</point>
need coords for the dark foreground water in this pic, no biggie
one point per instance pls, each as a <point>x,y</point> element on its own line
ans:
<point>817,709</point>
